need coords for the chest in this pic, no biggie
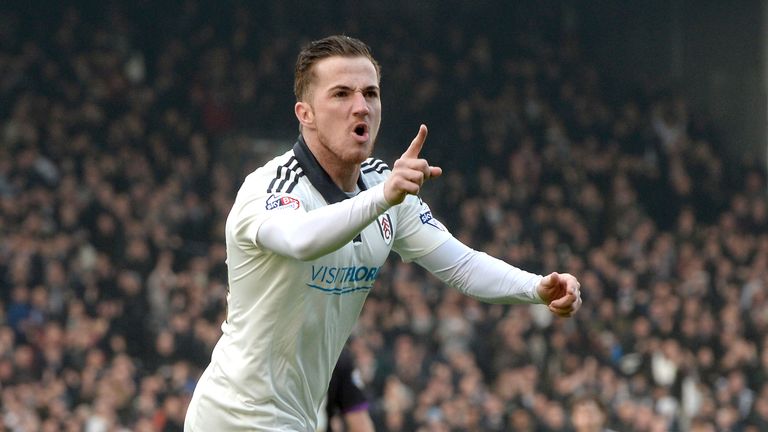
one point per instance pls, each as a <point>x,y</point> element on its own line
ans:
<point>355,266</point>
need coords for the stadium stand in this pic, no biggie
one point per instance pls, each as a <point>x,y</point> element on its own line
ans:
<point>124,136</point>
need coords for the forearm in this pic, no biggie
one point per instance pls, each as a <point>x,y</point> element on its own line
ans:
<point>312,234</point>
<point>358,421</point>
<point>479,275</point>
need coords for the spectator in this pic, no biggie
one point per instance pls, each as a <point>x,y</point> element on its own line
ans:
<point>122,137</point>
<point>588,414</point>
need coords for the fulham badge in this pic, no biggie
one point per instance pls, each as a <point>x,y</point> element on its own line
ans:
<point>385,228</point>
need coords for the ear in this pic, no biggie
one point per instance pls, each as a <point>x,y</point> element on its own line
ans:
<point>304,114</point>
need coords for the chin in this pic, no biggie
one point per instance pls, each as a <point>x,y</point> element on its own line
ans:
<point>362,153</point>
<point>359,158</point>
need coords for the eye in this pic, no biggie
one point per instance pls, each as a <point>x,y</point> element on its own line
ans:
<point>340,94</point>
<point>373,94</point>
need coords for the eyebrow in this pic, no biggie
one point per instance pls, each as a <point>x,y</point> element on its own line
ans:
<point>345,87</point>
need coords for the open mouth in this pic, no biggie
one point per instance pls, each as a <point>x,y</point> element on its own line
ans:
<point>361,129</point>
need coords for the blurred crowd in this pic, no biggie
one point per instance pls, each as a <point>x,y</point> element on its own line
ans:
<point>124,136</point>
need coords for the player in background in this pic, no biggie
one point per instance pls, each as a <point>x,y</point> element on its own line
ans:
<point>306,238</point>
<point>347,402</point>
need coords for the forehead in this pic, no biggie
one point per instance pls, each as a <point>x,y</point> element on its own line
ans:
<point>353,72</point>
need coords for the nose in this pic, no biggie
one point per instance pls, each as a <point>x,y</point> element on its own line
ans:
<point>360,104</point>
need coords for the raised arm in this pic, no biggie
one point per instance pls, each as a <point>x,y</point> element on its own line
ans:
<point>307,235</point>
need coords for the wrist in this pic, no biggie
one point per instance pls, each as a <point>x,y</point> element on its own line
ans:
<point>379,198</point>
<point>537,297</point>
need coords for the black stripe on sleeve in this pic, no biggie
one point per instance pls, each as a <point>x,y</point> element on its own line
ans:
<point>376,165</point>
<point>274,180</point>
<point>289,173</point>
<point>283,174</point>
<point>298,174</point>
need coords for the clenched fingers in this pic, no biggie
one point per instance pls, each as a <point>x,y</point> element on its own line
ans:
<point>409,172</point>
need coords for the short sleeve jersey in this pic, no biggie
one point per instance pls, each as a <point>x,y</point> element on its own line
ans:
<point>288,320</point>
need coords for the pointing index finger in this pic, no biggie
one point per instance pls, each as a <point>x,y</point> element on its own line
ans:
<point>415,148</point>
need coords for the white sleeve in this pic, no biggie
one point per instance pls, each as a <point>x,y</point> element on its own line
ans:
<point>480,275</point>
<point>418,231</point>
<point>309,235</point>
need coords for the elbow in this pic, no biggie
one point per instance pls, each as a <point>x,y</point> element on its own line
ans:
<point>290,239</point>
<point>304,249</point>
<point>305,255</point>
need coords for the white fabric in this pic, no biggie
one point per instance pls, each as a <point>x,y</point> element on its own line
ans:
<point>288,319</point>
<point>309,235</point>
<point>480,275</point>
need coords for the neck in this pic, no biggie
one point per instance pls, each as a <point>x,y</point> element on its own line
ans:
<point>344,174</point>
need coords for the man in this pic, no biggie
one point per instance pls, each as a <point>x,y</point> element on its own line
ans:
<point>588,414</point>
<point>346,400</point>
<point>306,237</point>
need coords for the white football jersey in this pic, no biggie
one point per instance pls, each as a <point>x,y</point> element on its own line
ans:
<point>288,320</point>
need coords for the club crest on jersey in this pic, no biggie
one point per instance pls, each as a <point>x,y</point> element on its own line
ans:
<point>275,202</point>
<point>385,227</point>
<point>428,219</point>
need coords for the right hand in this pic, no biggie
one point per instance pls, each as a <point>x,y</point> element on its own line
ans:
<point>409,172</point>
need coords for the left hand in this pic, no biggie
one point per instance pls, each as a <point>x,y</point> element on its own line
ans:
<point>561,293</point>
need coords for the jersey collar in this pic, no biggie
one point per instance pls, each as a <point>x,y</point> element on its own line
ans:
<point>319,178</point>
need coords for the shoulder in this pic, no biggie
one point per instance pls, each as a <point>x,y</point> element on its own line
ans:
<point>374,165</point>
<point>279,175</point>
<point>374,171</point>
